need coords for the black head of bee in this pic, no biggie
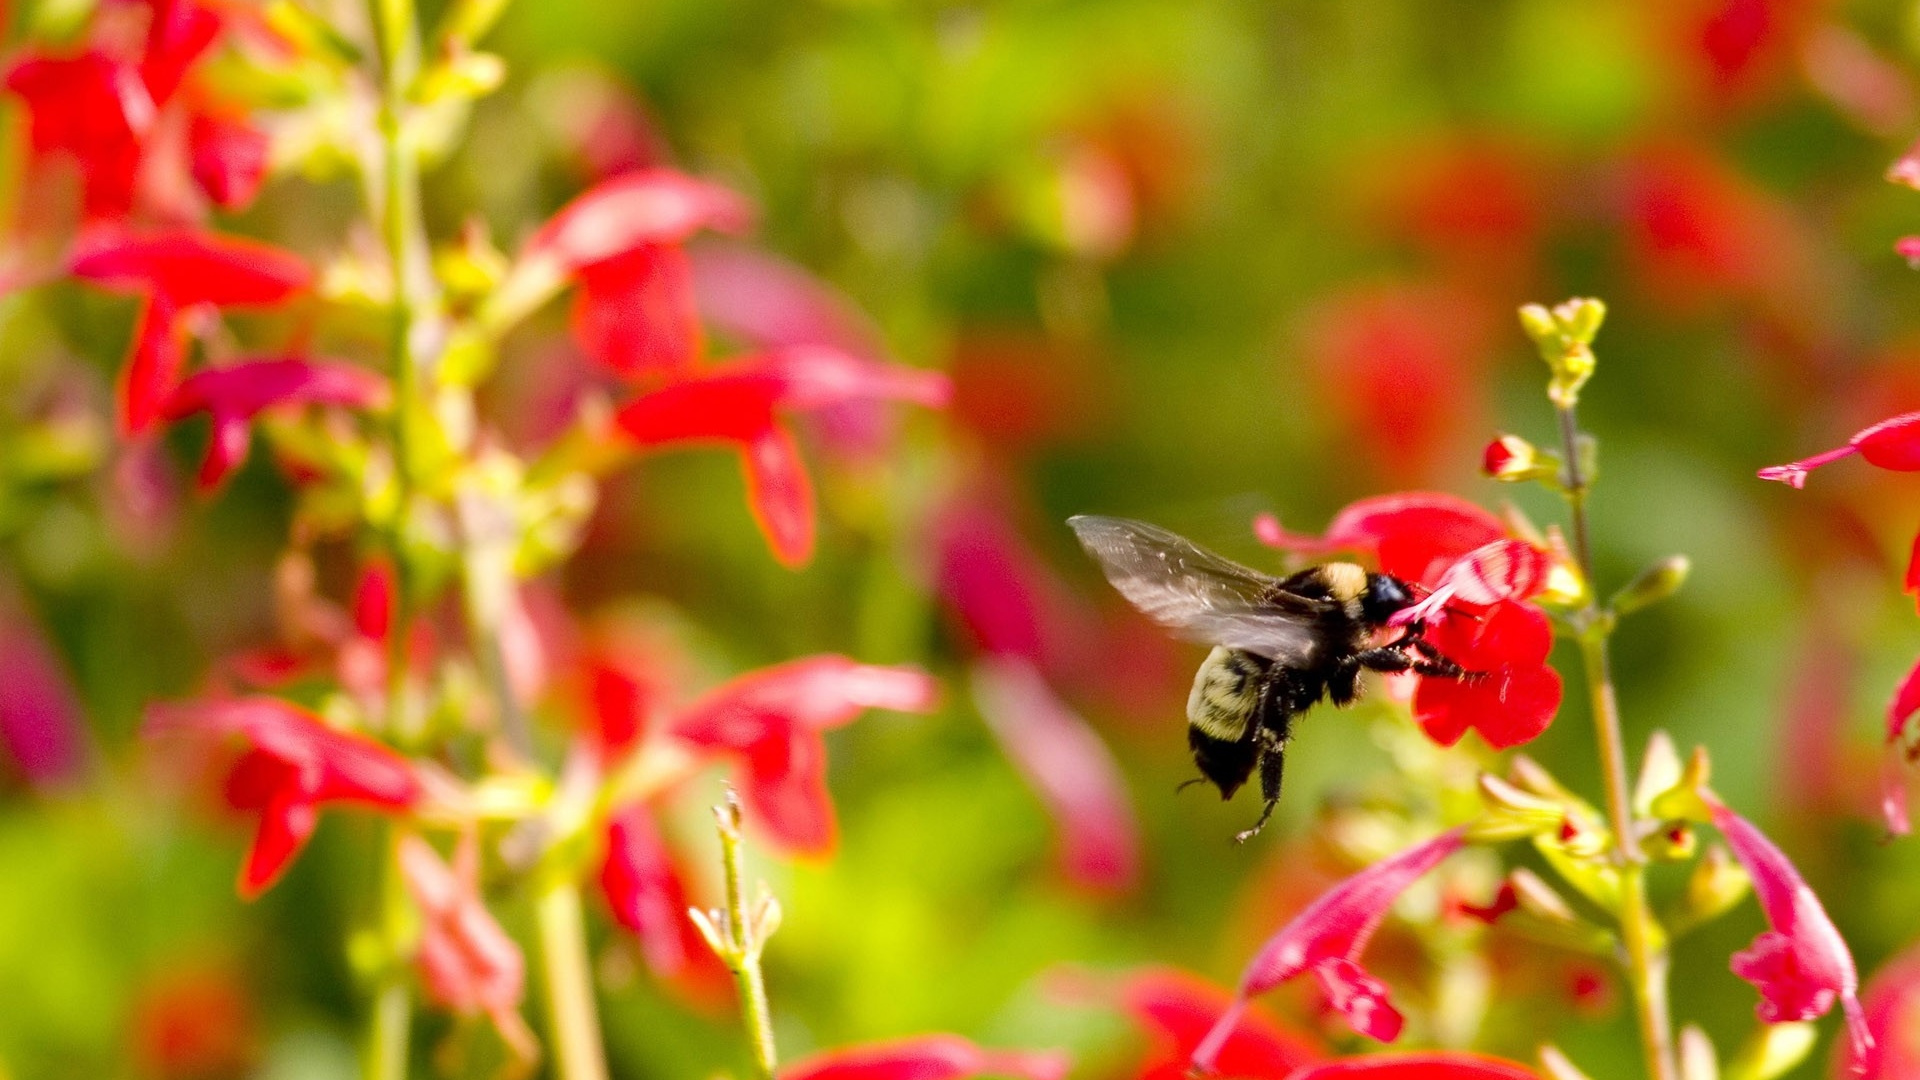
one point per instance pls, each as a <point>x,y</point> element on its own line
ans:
<point>1385,597</point>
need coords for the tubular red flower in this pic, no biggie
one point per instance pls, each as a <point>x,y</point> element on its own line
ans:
<point>1065,762</point>
<point>1801,966</point>
<point>467,963</point>
<point>1513,697</point>
<point>926,1057</point>
<point>635,312</point>
<point>1893,444</point>
<point>296,765</point>
<point>233,395</point>
<point>740,403</point>
<point>1413,535</point>
<point>1181,1009</point>
<point>1439,1066</point>
<point>772,720</point>
<point>1326,940</point>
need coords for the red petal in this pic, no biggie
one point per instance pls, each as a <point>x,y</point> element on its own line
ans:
<point>1912,583</point>
<point>1414,535</point>
<point>780,495</point>
<point>153,366</point>
<point>737,407</point>
<point>814,693</point>
<point>786,790</point>
<point>229,159</point>
<point>643,890</point>
<point>1906,702</point>
<point>1182,1009</point>
<point>635,312</point>
<point>1361,998</point>
<point>226,451</point>
<point>926,1057</point>
<point>1433,1066</point>
<point>180,34</point>
<point>286,821</point>
<point>42,725</point>
<point>1892,443</point>
<point>652,206</point>
<point>190,267</point>
<point>244,389</point>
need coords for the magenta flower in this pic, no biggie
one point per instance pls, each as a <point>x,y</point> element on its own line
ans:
<point>926,1057</point>
<point>741,404</point>
<point>1893,443</point>
<point>467,963</point>
<point>41,720</point>
<point>295,765</point>
<point>772,721</point>
<point>1326,940</point>
<point>1801,965</point>
<point>233,395</point>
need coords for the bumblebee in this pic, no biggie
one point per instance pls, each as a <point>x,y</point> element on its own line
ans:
<point>1280,645</point>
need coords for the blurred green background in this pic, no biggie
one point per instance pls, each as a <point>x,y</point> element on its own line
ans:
<point>1188,260</point>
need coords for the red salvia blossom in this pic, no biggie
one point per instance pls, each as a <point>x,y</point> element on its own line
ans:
<point>295,765</point>
<point>926,1057</point>
<point>620,241</point>
<point>1800,965</point>
<point>1890,1002</point>
<point>1412,535</point>
<point>1512,695</point>
<point>467,963</point>
<point>644,888</point>
<point>94,108</point>
<point>176,271</point>
<point>1892,444</point>
<point>1490,573</point>
<point>1067,764</point>
<point>1439,1066</point>
<point>741,404</point>
<point>1326,940</point>
<point>1181,1009</point>
<point>233,395</point>
<point>772,721</point>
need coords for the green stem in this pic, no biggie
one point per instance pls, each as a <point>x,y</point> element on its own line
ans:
<point>1646,956</point>
<point>572,1020</point>
<point>388,1029</point>
<point>744,958</point>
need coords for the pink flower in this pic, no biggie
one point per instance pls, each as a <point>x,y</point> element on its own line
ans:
<point>467,963</point>
<point>1902,747</point>
<point>742,403</point>
<point>1892,444</point>
<point>176,271</point>
<point>621,242</point>
<point>1801,965</point>
<point>645,890</point>
<point>295,765</point>
<point>1890,1002</point>
<point>1065,761</point>
<point>926,1057</point>
<point>1181,1009</point>
<point>1435,1066</point>
<point>1326,940</point>
<point>233,395</point>
<point>772,721</point>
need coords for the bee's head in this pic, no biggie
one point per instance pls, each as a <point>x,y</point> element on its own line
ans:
<point>1385,595</point>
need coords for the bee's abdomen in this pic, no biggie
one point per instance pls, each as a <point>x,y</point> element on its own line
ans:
<point>1226,693</point>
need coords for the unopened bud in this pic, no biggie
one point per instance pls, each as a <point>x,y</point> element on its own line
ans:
<point>1674,841</point>
<point>1654,584</point>
<point>1773,1051</point>
<point>1660,769</point>
<point>1689,799</point>
<point>766,916</point>
<point>1512,459</point>
<point>1512,813</point>
<point>1564,337</point>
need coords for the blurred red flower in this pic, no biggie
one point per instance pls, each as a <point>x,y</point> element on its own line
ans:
<point>1180,1009</point>
<point>1800,965</point>
<point>926,1057</point>
<point>772,721</point>
<point>228,158</point>
<point>467,963</point>
<point>1891,1005</point>
<point>41,723</point>
<point>233,395</point>
<point>741,404</point>
<point>295,765</point>
<point>92,107</point>
<point>193,1022</point>
<point>176,271</point>
<point>645,890</point>
<point>1326,940</point>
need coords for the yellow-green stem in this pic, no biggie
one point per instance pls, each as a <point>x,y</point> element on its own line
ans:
<point>1646,955</point>
<point>388,1027</point>
<point>745,962</point>
<point>573,1022</point>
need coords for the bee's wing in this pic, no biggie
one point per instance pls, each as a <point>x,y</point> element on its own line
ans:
<point>1199,595</point>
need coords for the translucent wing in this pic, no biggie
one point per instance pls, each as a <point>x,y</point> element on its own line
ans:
<point>1199,595</point>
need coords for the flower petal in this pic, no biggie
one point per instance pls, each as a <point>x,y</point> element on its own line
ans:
<point>229,159</point>
<point>191,267</point>
<point>1359,997</point>
<point>1181,1009</point>
<point>785,789</point>
<point>1431,1066</point>
<point>286,822</point>
<point>1413,535</point>
<point>153,366</point>
<point>780,495</point>
<point>926,1057</point>
<point>650,206</point>
<point>635,312</point>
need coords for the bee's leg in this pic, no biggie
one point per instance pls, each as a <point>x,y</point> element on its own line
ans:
<point>1435,663</point>
<point>1273,760</point>
<point>1391,659</point>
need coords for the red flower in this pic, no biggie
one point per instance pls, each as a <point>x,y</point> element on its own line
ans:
<point>1181,1009</point>
<point>41,721</point>
<point>926,1057</point>
<point>229,159</point>
<point>1412,535</point>
<point>1436,1066</point>
<point>644,890</point>
<point>1065,761</point>
<point>1514,694</point>
<point>94,108</point>
<point>1890,1002</point>
<point>176,271</point>
<point>621,240</point>
<point>296,765</point>
<point>233,395</point>
<point>1326,940</point>
<point>741,403</point>
<point>193,1020</point>
<point>1487,575</point>
<point>1892,444</point>
<point>467,963</point>
<point>772,720</point>
<point>1801,965</point>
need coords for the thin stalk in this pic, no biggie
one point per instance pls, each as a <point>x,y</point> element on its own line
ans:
<point>572,1020</point>
<point>1646,955</point>
<point>388,1029</point>
<point>746,938</point>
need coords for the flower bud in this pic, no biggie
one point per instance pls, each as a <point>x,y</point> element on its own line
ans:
<point>1772,1051</point>
<point>1652,585</point>
<point>1512,813</point>
<point>1687,800</point>
<point>1564,336</point>
<point>1660,769</point>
